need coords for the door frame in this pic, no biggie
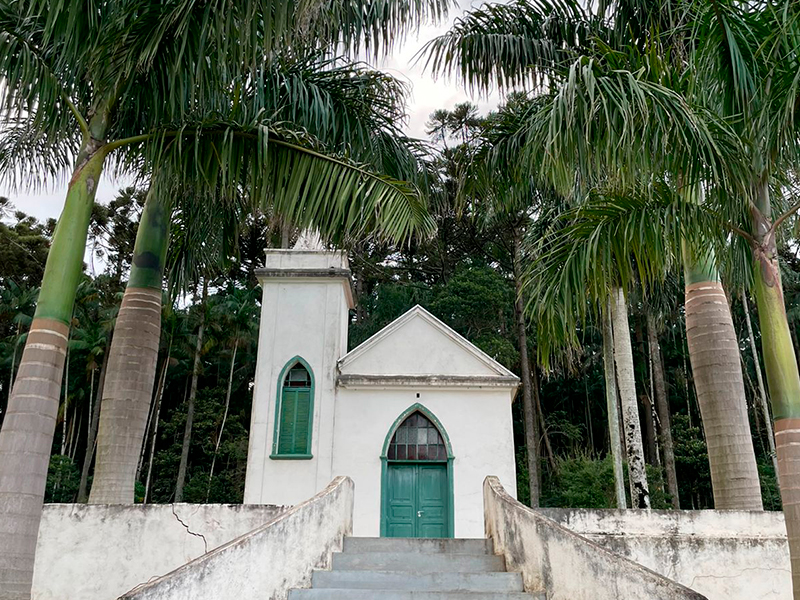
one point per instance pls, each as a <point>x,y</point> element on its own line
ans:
<point>385,461</point>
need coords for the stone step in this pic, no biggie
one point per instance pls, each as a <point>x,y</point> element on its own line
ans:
<point>432,582</point>
<point>332,594</point>
<point>417,562</point>
<point>430,545</point>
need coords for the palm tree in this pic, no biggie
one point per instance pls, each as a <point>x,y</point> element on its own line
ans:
<point>345,107</point>
<point>131,82</point>
<point>748,63</point>
<point>615,105</point>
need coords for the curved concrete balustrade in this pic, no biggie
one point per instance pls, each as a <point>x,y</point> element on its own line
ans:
<point>268,561</point>
<point>564,564</point>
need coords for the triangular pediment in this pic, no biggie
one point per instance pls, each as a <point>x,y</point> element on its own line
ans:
<point>418,344</point>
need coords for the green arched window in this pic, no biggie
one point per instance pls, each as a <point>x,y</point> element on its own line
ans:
<point>294,412</point>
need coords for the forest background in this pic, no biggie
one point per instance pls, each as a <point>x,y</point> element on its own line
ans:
<point>464,275</point>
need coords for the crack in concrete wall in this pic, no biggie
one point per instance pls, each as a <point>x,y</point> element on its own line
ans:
<point>189,531</point>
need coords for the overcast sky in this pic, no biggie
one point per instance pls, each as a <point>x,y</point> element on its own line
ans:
<point>426,96</point>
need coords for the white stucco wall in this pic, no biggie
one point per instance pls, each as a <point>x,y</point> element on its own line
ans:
<point>725,555</point>
<point>420,350</point>
<point>98,552</point>
<point>477,421</point>
<point>303,314</point>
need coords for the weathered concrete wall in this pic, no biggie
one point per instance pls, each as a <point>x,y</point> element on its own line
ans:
<point>567,566</point>
<point>726,555</point>
<point>265,563</point>
<point>97,552</point>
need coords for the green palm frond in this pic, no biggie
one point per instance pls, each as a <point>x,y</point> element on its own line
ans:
<point>619,124</point>
<point>34,88</point>
<point>617,238</point>
<point>31,158</point>
<point>508,45</point>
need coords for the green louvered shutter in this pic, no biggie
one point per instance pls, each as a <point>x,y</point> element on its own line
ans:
<point>302,422</point>
<point>286,427</point>
<point>295,422</point>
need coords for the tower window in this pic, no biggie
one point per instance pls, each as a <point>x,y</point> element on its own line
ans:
<point>294,418</point>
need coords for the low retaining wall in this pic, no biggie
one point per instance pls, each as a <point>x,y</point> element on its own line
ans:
<point>726,555</point>
<point>265,563</point>
<point>97,551</point>
<point>562,563</point>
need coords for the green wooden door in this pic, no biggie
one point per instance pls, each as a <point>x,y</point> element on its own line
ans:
<point>416,502</point>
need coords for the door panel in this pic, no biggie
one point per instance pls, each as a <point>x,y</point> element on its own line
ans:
<point>417,500</point>
<point>402,500</point>
<point>432,501</point>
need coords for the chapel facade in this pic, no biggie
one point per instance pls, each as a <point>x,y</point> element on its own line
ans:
<point>416,415</point>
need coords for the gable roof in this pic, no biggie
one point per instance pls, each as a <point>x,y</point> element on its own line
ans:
<point>418,346</point>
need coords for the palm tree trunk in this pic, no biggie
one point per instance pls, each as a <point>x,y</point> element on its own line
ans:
<point>83,489</point>
<point>762,394</point>
<point>132,361</point>
<point>187,432</point>
<point>159,395</point>
<point>780,365</point>
<point>714,355</point>
<point>623,358</point>
<point>224,414</point>
<point>529,411</point>
<point>613,409</point>
<point>29,425</point>
<point>662,409</point>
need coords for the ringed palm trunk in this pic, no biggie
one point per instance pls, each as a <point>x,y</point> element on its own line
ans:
<point>662,409</point>
<point>780,365</point>
<point>132,361</point>
<point>626,382</point>
<point>612,406</point>
<point>717,369</point>
<point>29,425</point>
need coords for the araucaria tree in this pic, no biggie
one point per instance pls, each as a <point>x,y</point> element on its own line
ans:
<point>141,85</point>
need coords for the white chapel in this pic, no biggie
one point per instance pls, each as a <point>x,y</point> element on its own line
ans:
<point>416,416</point>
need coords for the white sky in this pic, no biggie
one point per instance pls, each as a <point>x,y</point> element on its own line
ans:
<point>426,96</point>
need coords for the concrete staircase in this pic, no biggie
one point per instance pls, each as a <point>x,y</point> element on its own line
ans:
<point>415,569</point>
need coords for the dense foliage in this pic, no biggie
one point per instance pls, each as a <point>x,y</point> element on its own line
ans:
<point>464,276</point>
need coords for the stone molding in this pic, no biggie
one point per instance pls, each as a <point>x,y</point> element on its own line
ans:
<point>355,381</point>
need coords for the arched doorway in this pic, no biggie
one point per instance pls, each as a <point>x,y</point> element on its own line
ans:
<point>417,478</point>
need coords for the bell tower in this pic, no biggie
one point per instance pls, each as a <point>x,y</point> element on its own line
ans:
<point>303,333</point>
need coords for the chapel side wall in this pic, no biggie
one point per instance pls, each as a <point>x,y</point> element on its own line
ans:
<point>298,318</point>
<point>724,555</point>
<point>478,423</point>
<point>99,552</point>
